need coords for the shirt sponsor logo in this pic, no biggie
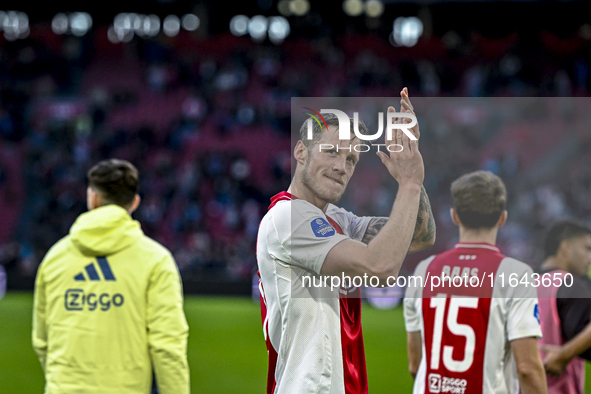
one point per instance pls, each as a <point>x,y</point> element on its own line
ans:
<point>434,383</point>
<point>322,228</point>
<point>78,300</point>
<point>437,384</point>
<point>453,385</point>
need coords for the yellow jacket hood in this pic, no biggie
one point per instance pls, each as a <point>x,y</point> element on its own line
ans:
<point>104,231</point>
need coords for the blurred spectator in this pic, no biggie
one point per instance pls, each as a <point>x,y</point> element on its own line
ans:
<point>211,133</point>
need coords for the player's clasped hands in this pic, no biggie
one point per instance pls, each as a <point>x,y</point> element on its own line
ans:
<point>554,364</point>
<point>406,166</point>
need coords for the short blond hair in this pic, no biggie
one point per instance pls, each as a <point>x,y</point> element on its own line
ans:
<point>319,129</point>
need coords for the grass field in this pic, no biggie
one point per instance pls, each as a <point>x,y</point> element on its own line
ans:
<point>227,353</point>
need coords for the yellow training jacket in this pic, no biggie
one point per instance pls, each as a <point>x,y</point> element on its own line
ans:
<point>109,310</point>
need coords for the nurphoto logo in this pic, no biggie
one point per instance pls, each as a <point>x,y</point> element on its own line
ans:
<point>345,130</point>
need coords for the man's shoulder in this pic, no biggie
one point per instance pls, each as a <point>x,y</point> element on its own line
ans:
<point>572,286</point>
<point>279,214</point>
<point>292,210</point>
<point>576,280</point>
<point>422,265</point>
<point>154,256</point>
<point>153,247</point>
<point>305,208</point>
<point>514,265</point>
<point>281,208</point>
<point>339,214</point>
<point>59,249</point>
<point>334,210</point>
<point>489,254</point>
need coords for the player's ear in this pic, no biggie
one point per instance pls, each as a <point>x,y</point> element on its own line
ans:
<point>454,216</point>
<point>564,248</point>
<point>134,204</point>
<point>300,152</point>
<point>503,218</point>
<point>93,199</point>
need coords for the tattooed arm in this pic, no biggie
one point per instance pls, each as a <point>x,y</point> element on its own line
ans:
<point>424,234</point>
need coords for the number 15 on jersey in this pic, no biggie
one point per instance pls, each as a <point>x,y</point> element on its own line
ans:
<point>455,331</point>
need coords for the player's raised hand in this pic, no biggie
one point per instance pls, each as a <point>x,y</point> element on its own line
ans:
<point>406,106</point>
<point>406,165</point>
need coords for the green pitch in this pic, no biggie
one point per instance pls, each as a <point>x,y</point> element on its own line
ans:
<point>227,353</point>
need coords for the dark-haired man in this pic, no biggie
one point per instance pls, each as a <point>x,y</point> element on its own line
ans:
<point>470,329</point>
<point>565,305</point>
<point>108,306</point>
<point>313,334</point>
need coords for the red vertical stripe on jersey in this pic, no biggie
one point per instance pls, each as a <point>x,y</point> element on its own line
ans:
<point>354,369</point>
<point>469,321</point>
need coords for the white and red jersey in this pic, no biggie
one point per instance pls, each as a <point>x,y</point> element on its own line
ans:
<point>313,334</point>
<point>467,326</point>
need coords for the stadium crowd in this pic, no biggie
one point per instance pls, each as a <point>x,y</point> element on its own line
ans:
<point>207,123</point>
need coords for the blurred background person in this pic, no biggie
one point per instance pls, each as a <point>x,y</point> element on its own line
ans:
<point>492,323</point>
<point>565,305</point>
<point>108,306</point>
